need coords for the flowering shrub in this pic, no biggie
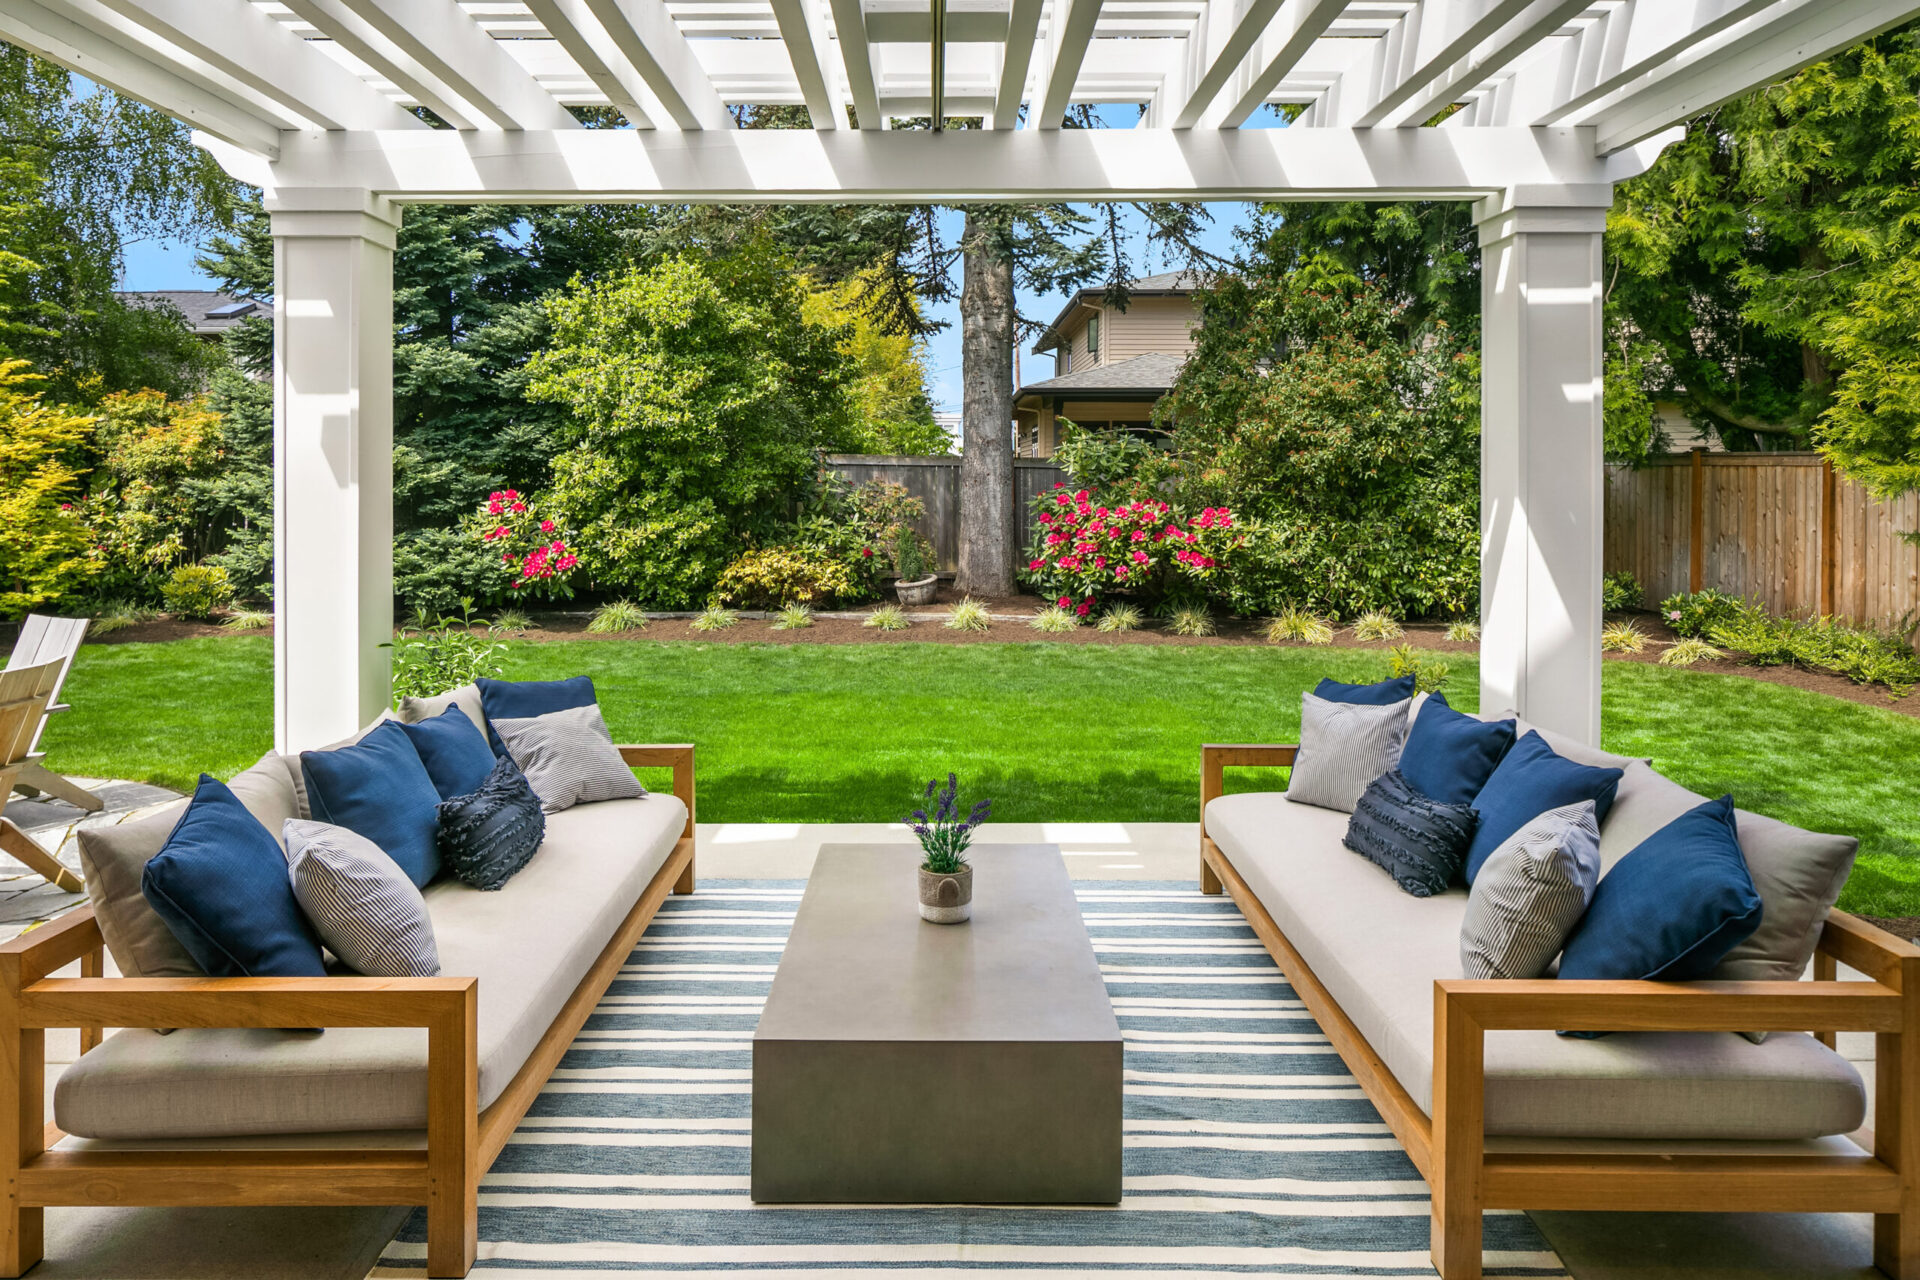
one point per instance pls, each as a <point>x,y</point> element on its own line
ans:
<point>861,528</point>
<point>533,551</point>
<point>1088,550</point>
<point>774,577</point>
<point>1698,613</point>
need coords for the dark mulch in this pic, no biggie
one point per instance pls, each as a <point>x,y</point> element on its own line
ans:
<point>1793,677</point>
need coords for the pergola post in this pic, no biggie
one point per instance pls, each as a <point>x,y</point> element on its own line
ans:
<point>1541,463</point>
<point>332,461</point>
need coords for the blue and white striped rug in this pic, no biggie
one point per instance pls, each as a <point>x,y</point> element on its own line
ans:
<point>1249,1148</point>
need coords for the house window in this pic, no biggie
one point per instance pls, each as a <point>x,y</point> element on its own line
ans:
<point>1093,335</point>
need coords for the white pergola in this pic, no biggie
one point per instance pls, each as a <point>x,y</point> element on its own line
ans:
<point>1556,101</point>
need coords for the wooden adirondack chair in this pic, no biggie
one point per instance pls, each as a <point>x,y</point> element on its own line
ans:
<point>24,695</point>
<point>48,640</point>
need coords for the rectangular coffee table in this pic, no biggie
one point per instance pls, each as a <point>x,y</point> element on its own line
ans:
<point>903,1062</point>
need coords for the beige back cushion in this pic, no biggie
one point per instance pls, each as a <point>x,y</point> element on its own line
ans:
<point>466,697</point>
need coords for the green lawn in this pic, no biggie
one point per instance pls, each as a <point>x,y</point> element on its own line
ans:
<point>818,733</point>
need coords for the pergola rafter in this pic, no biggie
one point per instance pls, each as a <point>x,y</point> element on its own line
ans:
<point>1532,109</point>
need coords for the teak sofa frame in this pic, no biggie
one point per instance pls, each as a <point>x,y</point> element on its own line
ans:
<point>461,1140</point>
<point>1449,1148</point>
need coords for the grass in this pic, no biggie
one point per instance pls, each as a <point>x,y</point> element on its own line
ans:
<point>794,617</point>
<point>969,615</point>
<point>616,616</point>
<point>823,733</point>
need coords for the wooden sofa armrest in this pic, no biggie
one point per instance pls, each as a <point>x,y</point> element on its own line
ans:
<point>1216,757</point>
<point>437,1004</point>
<point>675,755</point>
<point>1552,1004</point>
<point>1849,940</point>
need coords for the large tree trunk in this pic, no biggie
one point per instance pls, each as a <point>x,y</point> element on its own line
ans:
<point>986,459</point>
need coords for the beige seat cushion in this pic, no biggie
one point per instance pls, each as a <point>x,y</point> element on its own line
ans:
<point>530,944</point>
<point>1378,952</point>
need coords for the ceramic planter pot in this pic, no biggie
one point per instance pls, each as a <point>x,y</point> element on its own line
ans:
<point>946,899</point>
<point>919,591</point>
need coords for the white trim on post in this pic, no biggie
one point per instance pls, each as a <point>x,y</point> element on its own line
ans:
<point>332,462</point>
<point>1541,465</point>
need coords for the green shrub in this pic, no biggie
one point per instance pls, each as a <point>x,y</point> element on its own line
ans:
<point>1620,591</point>
<point>793,617</point>
<point>1864,655</point>
<point>429,660</point>
<point>909,559</point>
<point>771,577</point>
<point>197,591</point>
<point>1429,674</point>
<point>1121,617</point>
<point>1377,624</point>
<point>888,617</point>
<point>1699,612</point>
<point>616,616</point>
<point>969,615</point>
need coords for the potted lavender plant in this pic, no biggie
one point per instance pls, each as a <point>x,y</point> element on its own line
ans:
<point>946,877</point>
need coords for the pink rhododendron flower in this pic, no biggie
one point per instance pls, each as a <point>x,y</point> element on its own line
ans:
<point>1084,606</point>
<point>1064,601</point>
<point>546,526</point>
<point>1139,557</point>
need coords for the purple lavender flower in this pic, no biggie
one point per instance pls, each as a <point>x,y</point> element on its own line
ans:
<point>944,837</point>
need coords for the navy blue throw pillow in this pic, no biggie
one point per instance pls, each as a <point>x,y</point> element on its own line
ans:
<point>1398,689</point>
<point>220,885</point>
<point>1419,841</point>
<point>455,753</point>
<point>491,833</point>
<point>1450,755</point>
<point>524,699</point>
<point>379,788</point>
<point>1531,779</point>
<point>1671,909</point>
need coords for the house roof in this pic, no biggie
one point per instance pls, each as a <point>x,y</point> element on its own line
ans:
<point>1153,372</point>
<point>208,312</point>
<point>1168,284</point>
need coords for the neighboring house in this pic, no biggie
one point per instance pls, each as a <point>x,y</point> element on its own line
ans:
<point>1110,366</point>
<point>208,314</point>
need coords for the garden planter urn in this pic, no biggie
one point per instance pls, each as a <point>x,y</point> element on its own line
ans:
<point>946,899</point>
<point>919,591</point>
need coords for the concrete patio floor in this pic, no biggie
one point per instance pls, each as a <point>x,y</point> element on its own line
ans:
<point>342,1244</point>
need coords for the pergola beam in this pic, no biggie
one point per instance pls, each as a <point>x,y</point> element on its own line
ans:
<point>1023,26</point>
<point>1430,38</point>
<point>260,53</point>
<point>1071,35</point>
<point>1283,46</point>
<point>449,44</point>
<point>802,32</point>
<point>332,19</point>
<point>1487,60</point>
<point>174,90</point>
<point>850,32</point>
<point>578,32</point>
<point>1634,39</point>
<point>646,35</point>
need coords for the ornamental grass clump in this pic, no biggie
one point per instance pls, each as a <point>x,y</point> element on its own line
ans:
<point>1121,617</point>
<point>1429,674</point>
<point>615,616</point>
<point>1190,620</point>
<point>968,615</point>
<point>1377,624</point>
<point>795,617</point>
<point>1684,653</point>
<point>715,619</point>
<point>1054,619</point>
<point>246,620</point>
<point>511,622</point>
<point>1463,631</point>
<point>888,617</point>
<point>118,615</point>
<point>944,836</point>
<point>1623,637</point>
<point>1303,625</point>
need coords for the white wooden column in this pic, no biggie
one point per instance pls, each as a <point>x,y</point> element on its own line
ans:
<point>1541,475</point>
<point>332,462</point>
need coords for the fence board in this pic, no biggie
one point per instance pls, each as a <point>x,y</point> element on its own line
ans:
<point>1761,534</point>
<point>936,482</point>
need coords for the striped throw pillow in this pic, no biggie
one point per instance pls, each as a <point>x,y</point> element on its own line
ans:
<point>1343,747</point>
<point>1530,893</point>
<point>569,757</point>
<point>360,902</point>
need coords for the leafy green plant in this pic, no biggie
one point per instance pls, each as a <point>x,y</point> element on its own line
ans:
<point>969,615</point>
<point>794,617</point>
<point>442,655</point>
<point>888,617</point>
<point>769,577</point>
<point>1429,674</point>
<point>1054,620</point>
<point>1620,591</point>
<point>248,620</point>
<point>511,622</point>
<point>197,591</point>
<point>1303,625</point>
<point>715,618</point>
<point>1463,631</point>
<point>1698,613</point>
<point>1377,624</point>
<point>1623,637</point>
<point>1190,620</point>
<point>944,835</point>
<point>1865,655</point>
<point>909,561</point>
<point>110,616</point>
<point>616,616</point>
<point>1121,617</point>
<point>1684,653</point>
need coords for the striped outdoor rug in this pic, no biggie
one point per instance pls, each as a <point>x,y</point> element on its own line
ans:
<point>1249,1149</point>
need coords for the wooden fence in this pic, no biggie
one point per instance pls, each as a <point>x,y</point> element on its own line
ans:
<point>936,482</point>
<point>1780,528</point>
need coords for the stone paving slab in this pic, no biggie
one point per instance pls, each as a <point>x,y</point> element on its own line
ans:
<point>25,898</point>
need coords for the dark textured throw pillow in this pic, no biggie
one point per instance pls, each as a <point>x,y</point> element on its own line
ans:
<point>523,699</point>
<point>455,753</point>
<point>1449,755</point>
<point>220,885</point>
<point>1398,689</point>
<point>1531,779</point>
<point>488,835</point>
<point>379,788</point>
<point>1419,841</point>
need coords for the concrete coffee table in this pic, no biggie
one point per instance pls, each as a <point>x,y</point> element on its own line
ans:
<point>903,1062</point>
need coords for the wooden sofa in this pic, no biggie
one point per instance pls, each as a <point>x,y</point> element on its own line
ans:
<point>1467,1172</point>
<point>442,1172</point>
